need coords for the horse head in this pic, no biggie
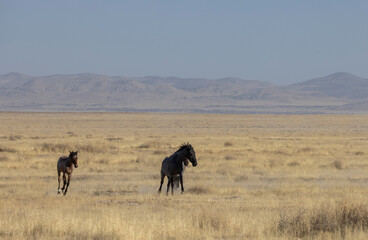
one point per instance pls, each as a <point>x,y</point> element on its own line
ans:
<point>74,157</point>
<point>191,156</point>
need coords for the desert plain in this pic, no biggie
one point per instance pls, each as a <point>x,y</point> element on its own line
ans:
<point>258,176</point>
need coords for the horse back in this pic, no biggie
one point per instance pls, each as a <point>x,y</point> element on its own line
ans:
<point>170,167</point>
<point>61,163</point>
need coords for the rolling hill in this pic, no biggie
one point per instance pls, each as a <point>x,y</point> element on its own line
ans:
<point>336,93</point>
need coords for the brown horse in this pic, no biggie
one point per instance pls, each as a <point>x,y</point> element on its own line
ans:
<point>65,166</point>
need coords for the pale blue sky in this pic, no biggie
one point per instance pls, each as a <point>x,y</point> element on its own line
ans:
<point>276,41</point>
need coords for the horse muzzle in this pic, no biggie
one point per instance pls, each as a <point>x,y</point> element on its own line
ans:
<point>194,164</point>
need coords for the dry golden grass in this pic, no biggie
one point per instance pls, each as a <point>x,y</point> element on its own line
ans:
<point>258,176</point>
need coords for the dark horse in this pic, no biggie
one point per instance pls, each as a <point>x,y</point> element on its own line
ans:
<point>65,166</point>
<point>173,166</point>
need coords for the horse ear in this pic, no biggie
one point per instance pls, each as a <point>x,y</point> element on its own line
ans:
<point>76,152</point>
<point>70,152</point>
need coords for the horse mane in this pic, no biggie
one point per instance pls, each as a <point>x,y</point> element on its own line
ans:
<point>184,145</point>
<point>73,153</point>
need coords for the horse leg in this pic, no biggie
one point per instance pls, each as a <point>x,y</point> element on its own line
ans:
<point>168,184</point>
<point>64,179</point>
<point>59,179</point>
<point>172,186</point>
<point>162,181</point>
<point>181,182</point>
<point>67,185</point>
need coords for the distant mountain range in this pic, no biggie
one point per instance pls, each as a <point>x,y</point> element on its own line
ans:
<point>336,93</point>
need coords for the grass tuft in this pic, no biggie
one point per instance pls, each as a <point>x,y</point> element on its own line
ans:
<point>3,158</point>
<point>198,190</point>
<point>149,145</point>
<point>339,217</point>
<point>241,179</point>
<point>65,148</point>
<point>293,164</point>
<point>6,149</point>
<point>338,164</point>
<point>15,137</point>
<point>228,144</point>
